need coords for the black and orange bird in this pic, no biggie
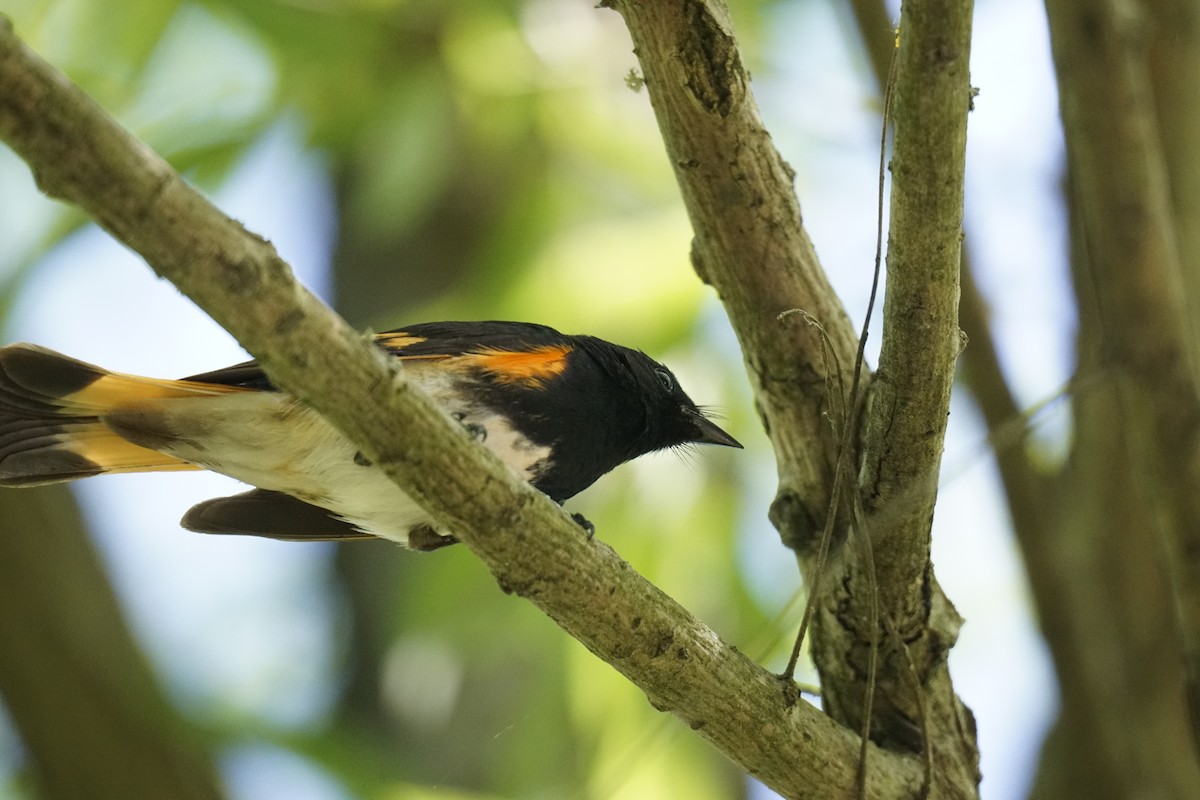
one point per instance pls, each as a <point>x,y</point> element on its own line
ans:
<point>559,410</point>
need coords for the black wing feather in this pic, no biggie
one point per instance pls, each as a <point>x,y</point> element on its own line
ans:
<point>274,515</point>
<point>424,340</point>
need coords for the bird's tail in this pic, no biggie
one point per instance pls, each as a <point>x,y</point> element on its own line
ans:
<point>52,410</point>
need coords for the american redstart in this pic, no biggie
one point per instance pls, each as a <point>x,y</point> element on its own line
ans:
<point>559,410</point>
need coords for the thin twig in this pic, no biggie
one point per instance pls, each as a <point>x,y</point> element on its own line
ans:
<point>852,408</point>
<point>832,367</point>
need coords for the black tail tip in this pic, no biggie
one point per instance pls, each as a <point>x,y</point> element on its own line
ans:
<point>28,370</point>
<point>44,466</point>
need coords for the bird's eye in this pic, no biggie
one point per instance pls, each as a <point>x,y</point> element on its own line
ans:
<point>664,378</point>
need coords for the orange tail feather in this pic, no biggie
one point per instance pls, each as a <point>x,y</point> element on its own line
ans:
<point>51,417</point>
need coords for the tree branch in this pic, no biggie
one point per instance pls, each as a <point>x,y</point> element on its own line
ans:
<point>532,548</point>
<point>1027,490</point>
<point>750,244</point>
<point>1029,493</point>
<point>1138,435</point>
<point>906,422</point>
<point>915,706</point>
<point>1173,61</point>
<point>1120,183</point>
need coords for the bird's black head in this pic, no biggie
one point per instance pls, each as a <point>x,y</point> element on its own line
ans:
<point>658,412</point>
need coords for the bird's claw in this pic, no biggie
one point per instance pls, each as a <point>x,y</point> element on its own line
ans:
<point>585,523</point>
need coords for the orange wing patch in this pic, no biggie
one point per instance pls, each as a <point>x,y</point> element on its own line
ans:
<point>530,367</point>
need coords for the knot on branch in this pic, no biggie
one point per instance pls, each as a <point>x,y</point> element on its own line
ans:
<point>799,524</point>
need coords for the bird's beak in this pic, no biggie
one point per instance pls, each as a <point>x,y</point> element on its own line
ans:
<point>709,433</point>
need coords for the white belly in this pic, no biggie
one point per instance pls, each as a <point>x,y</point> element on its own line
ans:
<point>269,440</point>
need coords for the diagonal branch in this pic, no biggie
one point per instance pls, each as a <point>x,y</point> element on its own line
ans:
<point>750,244</point>
<point>81,155</point>
<point>1028,491</point>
